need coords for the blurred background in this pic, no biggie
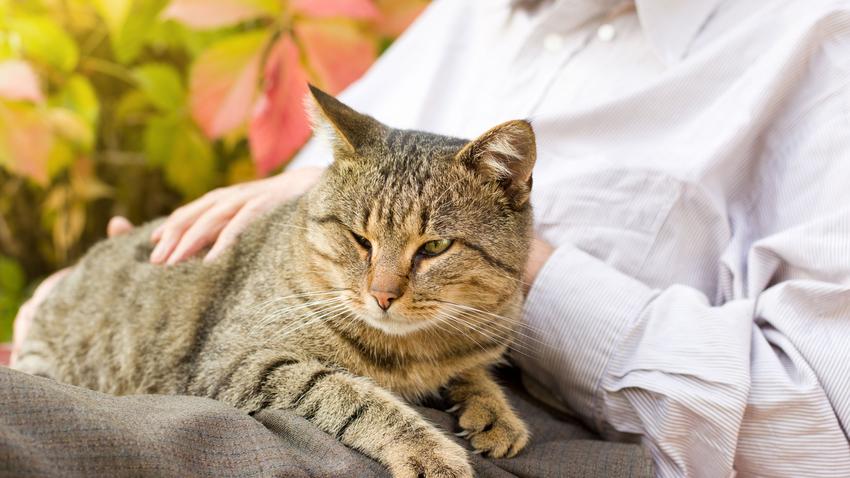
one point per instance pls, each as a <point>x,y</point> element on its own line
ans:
<point>134,107</point>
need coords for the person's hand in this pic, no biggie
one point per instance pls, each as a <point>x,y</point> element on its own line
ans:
<point>23,320</point>
<point>540,252</point>
<point>219,216</point>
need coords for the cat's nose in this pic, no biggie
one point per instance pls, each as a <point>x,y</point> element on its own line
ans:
<point>384,298</point>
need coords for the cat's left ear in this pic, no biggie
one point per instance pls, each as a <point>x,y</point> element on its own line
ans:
<point>505,153</point>
<point>347,129</point>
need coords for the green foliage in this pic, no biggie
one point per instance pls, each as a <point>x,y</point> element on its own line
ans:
<point>133,107</point>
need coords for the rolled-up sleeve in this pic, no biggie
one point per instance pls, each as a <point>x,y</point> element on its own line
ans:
<point>694,382</point>
<point>665,366</point>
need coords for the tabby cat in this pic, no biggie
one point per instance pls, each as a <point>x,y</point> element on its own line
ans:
<point>397,275</point>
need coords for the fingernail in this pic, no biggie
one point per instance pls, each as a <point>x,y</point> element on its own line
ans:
<point>156,255</point>
<point>211,256</point>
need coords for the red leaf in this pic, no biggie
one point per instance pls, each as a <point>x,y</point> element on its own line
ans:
<point>338,52</point>
<point>223,81</point>
<point>25,141</point>
<point>18,81</point>
<point>279,125</point>
<point>218,13</point>
<point>361,9</point>
<point>5,354</point>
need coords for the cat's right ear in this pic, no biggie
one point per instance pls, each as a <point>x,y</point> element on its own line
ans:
<point>345,128</point>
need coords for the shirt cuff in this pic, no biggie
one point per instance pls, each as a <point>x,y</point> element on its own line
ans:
<point>575,313</point>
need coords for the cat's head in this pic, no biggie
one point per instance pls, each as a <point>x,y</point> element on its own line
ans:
<point>420,230</point>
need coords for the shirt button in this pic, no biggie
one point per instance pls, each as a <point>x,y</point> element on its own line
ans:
<point>606,32</point>
<point>553,42</point>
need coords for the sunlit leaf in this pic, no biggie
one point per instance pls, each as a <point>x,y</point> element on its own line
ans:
<point>25,141</point>
<point>279,125</point>
<point>338,52</point>
<point>397,15</point>
<point>219,13</point>
<point>161,85</point>
<point>18,81</point>
<point>360,9</point>
<point>223,83</point>
<point>72,127</point>
<point>62,155</point>
<point>184,155</point>
<point>42,40</point>
<point>79,96</point>
<point>129,40</point>
<point>114,13</point>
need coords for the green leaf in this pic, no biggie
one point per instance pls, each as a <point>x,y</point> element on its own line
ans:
<point>12,285</point>
<point>128,43</point>
<point>161,85</point>
<point>79,96</point>
<point>175,145</point>
<point>44,41</point>
<point>114,13</point>
<point>12,279</point>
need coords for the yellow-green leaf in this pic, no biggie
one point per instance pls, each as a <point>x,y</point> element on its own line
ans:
<point>161,85</point>
<point>79,96</point>
<point>44,41</point>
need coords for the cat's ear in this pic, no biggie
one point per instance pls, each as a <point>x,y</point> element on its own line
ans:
<point>505,153</point>
<point>344,127</point>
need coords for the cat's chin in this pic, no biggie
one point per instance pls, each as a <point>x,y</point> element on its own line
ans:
<point>390,325</point>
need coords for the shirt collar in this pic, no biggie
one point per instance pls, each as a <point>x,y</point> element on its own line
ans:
<point>672,25</point>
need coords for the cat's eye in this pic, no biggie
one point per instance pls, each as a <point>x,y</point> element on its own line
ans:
<point>364,243</point>
<point>435,248</point>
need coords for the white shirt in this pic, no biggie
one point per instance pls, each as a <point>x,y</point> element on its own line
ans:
<point>694,175</point>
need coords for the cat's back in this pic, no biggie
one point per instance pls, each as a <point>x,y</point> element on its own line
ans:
<point>100,324</point>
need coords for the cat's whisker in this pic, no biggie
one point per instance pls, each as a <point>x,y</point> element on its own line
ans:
<point>505,335</point>
<point>447,319</point>
<point>311,319</point>
<point>517,338</point>
<point>278,314</point>
<point>516,331</point>
<point>472,310</point>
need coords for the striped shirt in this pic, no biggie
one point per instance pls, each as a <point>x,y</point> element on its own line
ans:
<point>694,177</point>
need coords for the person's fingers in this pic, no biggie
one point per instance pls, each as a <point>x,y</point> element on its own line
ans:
<point>176,224</point>
<point>205,229</point>
<point>118,225</point>
<point>234,227</point>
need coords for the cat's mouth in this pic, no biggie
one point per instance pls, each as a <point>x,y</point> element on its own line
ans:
<point>393,323</point>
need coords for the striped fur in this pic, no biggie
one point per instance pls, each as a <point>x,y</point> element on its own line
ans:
<point>285,318</point>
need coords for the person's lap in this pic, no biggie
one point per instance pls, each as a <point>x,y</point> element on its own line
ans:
<point>53,429</point>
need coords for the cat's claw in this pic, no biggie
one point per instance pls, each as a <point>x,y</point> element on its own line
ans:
<point>453,409</point>
<point>463,433</point>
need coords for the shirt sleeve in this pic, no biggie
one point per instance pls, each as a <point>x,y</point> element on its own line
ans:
<point>664,367</point>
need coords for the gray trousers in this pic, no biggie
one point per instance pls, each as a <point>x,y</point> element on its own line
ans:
<point>52,429</point>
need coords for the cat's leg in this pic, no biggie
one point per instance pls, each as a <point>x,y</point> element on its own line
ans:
<point>361,415</point>
<point>487,420</point>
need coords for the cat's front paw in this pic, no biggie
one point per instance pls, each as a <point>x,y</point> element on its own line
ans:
<point>434,457</point>
<point>491,426</point>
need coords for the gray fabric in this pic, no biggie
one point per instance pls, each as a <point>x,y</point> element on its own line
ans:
<point>52,429</point>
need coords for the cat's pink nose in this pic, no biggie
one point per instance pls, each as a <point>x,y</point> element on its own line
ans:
<point>384,298</point>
